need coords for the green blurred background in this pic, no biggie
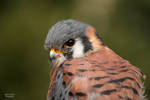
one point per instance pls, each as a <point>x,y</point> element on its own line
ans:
<point>24,64</point>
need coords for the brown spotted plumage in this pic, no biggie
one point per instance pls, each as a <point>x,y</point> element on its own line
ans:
<point>98,74</point>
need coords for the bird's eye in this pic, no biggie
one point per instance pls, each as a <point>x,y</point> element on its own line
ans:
<point>70,42</point>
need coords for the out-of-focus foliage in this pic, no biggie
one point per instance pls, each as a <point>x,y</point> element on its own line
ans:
<point>24,65</point>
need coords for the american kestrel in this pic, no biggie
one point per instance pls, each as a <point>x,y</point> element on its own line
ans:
<point>84,68</point>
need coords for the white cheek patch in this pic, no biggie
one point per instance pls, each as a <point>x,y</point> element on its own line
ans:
<point>78,49</point>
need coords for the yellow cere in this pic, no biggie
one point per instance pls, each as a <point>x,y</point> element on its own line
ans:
<point>56,51</point>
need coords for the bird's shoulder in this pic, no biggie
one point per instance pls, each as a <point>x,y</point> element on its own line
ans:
<point>102,75</point>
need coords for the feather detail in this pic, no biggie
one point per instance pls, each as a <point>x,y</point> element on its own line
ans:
<point>100,76</point>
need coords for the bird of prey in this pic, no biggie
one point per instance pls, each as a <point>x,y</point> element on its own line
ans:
<point>84,68</point>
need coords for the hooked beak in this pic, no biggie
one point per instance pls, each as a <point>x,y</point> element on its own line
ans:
<point>54,53</point>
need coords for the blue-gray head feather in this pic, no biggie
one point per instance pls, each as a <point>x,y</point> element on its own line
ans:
<point>63,31</point>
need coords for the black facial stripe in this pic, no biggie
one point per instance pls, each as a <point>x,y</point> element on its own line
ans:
<point>99,37</point>
<point>86,43</point>
<point>68,55</point>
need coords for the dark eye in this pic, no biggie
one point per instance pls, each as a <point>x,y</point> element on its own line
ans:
<point>70,42</point>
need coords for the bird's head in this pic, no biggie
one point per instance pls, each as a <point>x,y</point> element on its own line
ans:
<point>70,39</point>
